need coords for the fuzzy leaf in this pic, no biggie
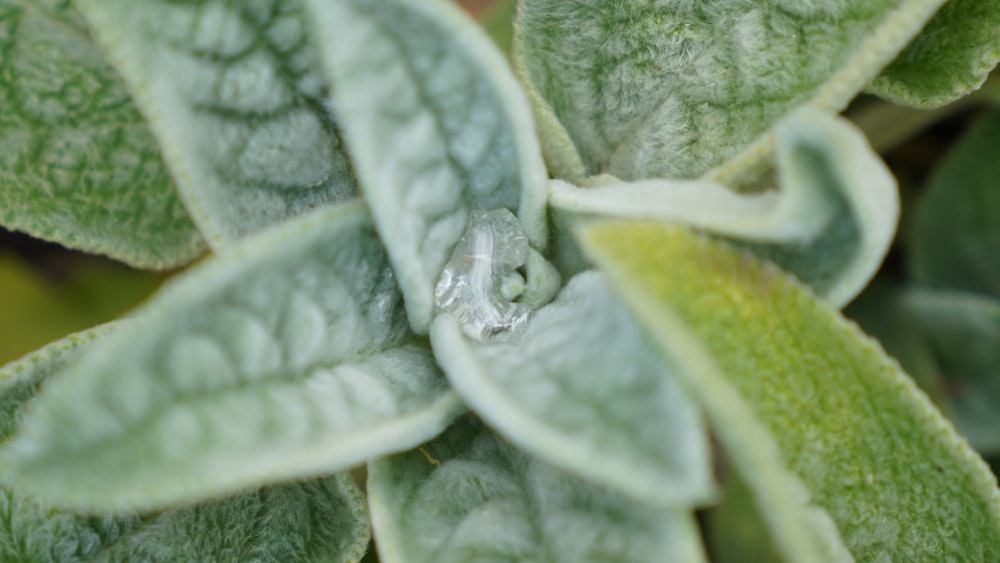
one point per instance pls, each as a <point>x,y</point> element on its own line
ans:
<point>77,164</point>
<point>437,127</point>
<point>291,357</point>
<point>581,388</point>
<point>838,446</point>
<point>831,223</point>
<point>323,520</point>
<point>233,93</point>
<point>950,58</point>
<point>963,332</point>
<point>468,496</point>
<point>675,89</point>
<point>314,521</point>
<point>20,380</point>
<point>956,232</point>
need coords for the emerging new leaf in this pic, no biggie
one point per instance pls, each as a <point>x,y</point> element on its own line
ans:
<point>290,357</point>
<point>233,92</point>
<point>839,448</point>
<point>437,127</point>
<point>580,387</point>
<point>468,496</point>
<point>77,164</point>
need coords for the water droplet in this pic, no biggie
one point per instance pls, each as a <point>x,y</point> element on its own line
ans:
<point>480,282</point>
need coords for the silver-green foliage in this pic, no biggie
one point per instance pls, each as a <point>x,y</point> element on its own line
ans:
<point>290,358</point>
<point>77,163</point>
<point>298,351</point>
<point>234,93</point>
<point>470,497</point>
<point>613,411</point>
<point>437,127</point>
<point>665,88</point>
<point>322,520</point>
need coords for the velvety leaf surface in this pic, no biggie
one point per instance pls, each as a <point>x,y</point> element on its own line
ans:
<point>580,387</point>
<point>290,357</point>
<point>956,234</point>
<point>77,164</point>
<point>830,222</point>
<point>963,332</point>
<point>675,89</point>
<point>20,380</point>
<point>314,521</point>
<point>233,92</point>
<point>824,428</point>
<point>468,496</point>
<point>950,58</point>
<point>323,520</point>
<point>436,125</point>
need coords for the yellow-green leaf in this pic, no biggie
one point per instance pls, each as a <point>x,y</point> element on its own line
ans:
<point>837,445</point>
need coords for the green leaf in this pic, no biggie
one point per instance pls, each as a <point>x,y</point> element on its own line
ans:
<point>956,233</point>
<point>437,127</point>
<point>21,379</point>
<point>580,387</point>
<point>234,95</point>
<point>468,496</point>
<point>323,520</point>
<point>667,89</point>
<point>77,164</point>
<point>882,312</point>
<point>290,357</point>
<point>315,521</point>
<point>963,332</point>
<point>838,446</point>
<point>950,58</point>
<point>831,222</point>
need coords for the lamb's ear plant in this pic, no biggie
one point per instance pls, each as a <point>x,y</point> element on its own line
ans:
<point>413,268</point>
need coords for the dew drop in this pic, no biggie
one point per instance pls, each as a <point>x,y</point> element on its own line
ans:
<point>480,282</point>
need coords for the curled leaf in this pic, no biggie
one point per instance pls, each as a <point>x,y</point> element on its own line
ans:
<point>831,222</point>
